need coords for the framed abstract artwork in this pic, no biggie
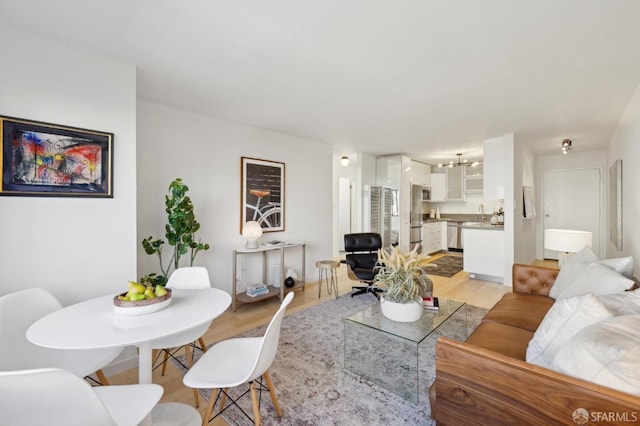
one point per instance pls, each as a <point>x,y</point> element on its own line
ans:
<point>43,159</point>
<point>262,193</point>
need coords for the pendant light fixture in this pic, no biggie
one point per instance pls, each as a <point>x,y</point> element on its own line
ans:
<point>460,162</point>
<point>566,146</point>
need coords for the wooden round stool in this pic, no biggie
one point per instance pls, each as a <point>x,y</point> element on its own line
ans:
<point>327,273</point>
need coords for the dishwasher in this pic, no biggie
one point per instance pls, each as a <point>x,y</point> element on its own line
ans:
<point>454,236</point>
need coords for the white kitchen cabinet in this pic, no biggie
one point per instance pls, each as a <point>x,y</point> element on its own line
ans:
<point>473,179</point>
<point>454,184</point>
<point>484,253</point>
<point>438,187</point>
<point>431,237</point>
<point>420,173</point>
<point>444,244</point>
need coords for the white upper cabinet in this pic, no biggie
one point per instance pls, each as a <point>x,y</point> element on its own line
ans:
<point>454,184</point>
<point>420,173</point>
<point>473,179</point>
<point>438,187</point>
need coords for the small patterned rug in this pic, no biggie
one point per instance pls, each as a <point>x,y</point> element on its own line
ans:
<point>312,386</point>
<point>448,266</point>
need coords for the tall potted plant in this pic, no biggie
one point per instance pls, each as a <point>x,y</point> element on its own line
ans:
<point>403,280</point>
<point>179,231</point>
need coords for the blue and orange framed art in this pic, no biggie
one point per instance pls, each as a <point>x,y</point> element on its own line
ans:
<point>43,159</point>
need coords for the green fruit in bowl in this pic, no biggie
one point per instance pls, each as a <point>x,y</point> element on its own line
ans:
<point>137,296</point>
<point>135,287</point>
<point>160,291</point>
<point>149,293</point>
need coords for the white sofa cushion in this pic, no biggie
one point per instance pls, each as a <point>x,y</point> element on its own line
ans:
<point>622,265</point>
<point>585,273</point>
<point>606,353</point>
<point>565,318</point>
<point>625,303</point>
<point>575,279</point>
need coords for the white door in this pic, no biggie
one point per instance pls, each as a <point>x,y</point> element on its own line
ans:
<point>344,210</point>
<point>572,199</point>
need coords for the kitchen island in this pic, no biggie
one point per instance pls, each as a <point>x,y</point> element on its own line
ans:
<point>484,251</point>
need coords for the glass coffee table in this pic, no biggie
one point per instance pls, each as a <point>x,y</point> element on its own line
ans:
<point>387,352</point>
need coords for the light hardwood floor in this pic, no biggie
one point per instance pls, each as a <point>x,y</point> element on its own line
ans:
<point>475,292</point>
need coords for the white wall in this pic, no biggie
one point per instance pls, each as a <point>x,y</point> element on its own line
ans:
<point>205,152</point>
<point>625,145</point>
<point>76,248</point>
<point>509,205</point>
<point>524,229</point>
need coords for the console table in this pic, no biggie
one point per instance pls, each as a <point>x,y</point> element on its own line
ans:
<point>242,297</point>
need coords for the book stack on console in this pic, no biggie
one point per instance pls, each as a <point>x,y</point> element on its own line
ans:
<point>256,290</point>
<point>430,303</point>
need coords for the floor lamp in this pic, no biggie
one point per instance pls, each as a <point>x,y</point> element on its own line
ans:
<point>566,242</point>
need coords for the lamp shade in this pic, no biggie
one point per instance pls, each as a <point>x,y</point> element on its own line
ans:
<point>252,231</point>
<point>566,240</point>
<point>344,161</point>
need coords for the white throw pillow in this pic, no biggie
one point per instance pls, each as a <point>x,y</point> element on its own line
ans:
<point>625,303</point>
<point>586,255</point>
<point>606,353</point>
<point>622,265</point>
<point>586,278</point>
<point>565,318</point>
<point>573,271</point>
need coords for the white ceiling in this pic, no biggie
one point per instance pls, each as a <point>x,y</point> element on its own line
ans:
<point>427,78</point>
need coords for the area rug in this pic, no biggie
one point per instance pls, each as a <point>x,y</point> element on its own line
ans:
<point>448,266</point>
<point>314,389</point>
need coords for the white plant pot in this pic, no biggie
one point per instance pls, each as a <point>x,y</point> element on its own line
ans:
<point>401,312</point>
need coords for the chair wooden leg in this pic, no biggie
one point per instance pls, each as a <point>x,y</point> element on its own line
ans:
<point>102,378</point>
<point>207,414</point>
<point>189,355</point>
<point>223,399</point>
<point>202,344</point>
<point>272,391</point>
<point>256,407</point>
<point>164,361</point>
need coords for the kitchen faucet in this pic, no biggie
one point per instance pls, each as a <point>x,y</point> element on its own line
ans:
<point>482,212</point>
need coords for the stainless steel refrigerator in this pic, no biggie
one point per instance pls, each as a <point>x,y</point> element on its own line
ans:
<point>415,216</point>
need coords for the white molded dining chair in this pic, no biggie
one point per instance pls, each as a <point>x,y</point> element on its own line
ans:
<point>236,361</point>
<point>18,311</point>
<point>58,397</point>
<point>191,277</point>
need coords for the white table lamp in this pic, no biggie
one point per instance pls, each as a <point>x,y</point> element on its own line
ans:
<point>252,231</point>
<point>566,241</point>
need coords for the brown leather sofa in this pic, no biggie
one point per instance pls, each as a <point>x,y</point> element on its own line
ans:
<point>486,380</point>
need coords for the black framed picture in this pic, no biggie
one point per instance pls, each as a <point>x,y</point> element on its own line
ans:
<point>262,193</point>
<point>43,159</point>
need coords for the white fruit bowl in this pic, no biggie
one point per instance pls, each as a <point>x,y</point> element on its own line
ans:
<point>141,307</point>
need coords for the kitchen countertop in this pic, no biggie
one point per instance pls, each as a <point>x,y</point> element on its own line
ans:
<point>483,225</point>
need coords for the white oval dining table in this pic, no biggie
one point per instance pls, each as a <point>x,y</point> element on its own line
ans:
<point>93,324</point>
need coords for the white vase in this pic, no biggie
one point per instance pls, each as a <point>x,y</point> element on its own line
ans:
<point>401,312</point>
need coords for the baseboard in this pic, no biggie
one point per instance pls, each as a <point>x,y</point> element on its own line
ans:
<point>482,277</point>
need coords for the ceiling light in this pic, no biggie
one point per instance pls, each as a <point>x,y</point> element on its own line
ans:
<point>344,161</point>
<point>460,162</point>
<point>566,146</point>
